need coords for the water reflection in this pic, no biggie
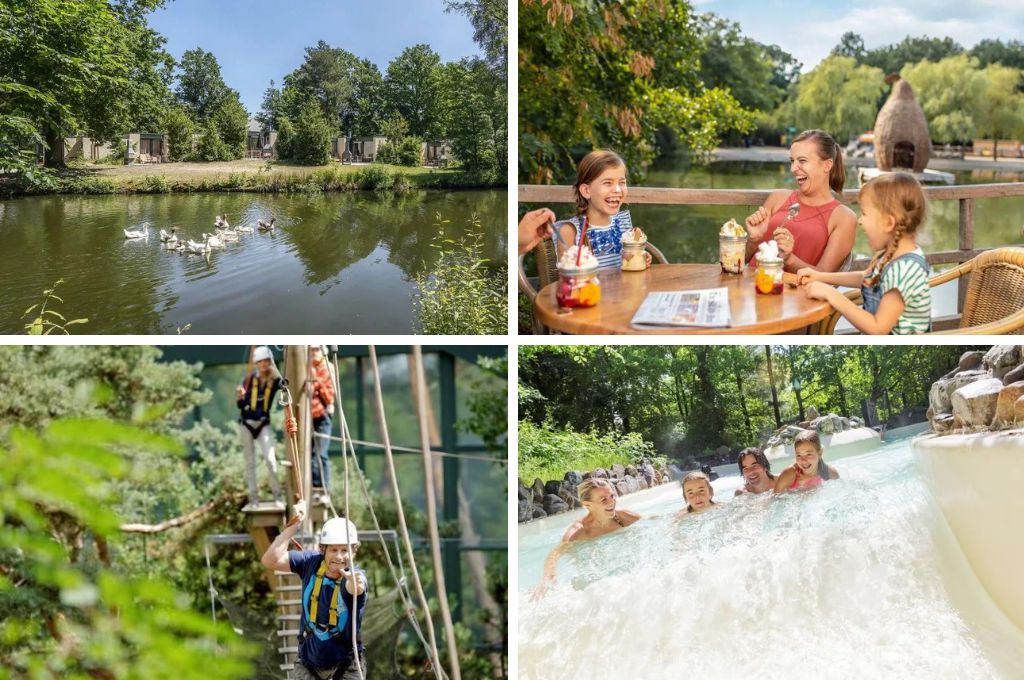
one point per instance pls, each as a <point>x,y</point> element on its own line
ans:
<point>336,263</point>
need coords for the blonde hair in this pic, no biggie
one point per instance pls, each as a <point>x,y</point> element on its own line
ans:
<point>899,196</point>
<point>588,485</point>
<point>692,477</point>
<point>591,167</point>
<point>828,150</point>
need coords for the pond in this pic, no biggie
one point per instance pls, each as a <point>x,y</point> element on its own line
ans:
<point>690,233</point>
<point>336,263</point>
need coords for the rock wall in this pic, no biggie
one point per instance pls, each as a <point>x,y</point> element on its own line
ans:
<point>827,424</point>
<point>541,499</point>
<point>984,392</point>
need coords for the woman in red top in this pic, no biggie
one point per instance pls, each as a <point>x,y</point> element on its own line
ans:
<point>822,232</point>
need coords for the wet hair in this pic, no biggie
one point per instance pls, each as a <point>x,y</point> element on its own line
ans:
<point>759,458</point>
<point>694,476</point>
<point>590,168</point>
<point>828,150</point>
<point>588,485</point>
<point>811,437</point>
<point>899,196</point>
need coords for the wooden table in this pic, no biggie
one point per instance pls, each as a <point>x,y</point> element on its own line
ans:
<point>622,292</point>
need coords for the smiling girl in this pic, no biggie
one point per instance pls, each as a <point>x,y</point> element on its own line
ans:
<point>600,192</point>
<point>897,298</point>
<point>822,232</point>
<point>809,470</point>
<point>697,492</point>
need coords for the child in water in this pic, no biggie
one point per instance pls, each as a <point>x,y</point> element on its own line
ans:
<point>600,192</point>
<point>697,492</point>
<point>599,499</point>
<point>809,470</point>
<point>897,298</point>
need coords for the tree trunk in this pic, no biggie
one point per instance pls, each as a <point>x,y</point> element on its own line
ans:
<point>743,402</point>
<point>837,363</point>
<point>771,382</point>
<point>53,156</point>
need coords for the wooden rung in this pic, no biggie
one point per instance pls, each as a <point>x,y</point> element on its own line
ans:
<point>287,666</point>
<point>294,632</point>
<point>288,650</point>
<point>288,589</point>
<point>288,617</point>
<point>283,573</point>
<point>289,603</point>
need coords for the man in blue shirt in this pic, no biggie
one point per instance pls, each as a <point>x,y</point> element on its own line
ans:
<point>331,592</point>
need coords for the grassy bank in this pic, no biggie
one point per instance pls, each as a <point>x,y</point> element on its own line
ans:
<point>547,453</point>
<point>246,176</point>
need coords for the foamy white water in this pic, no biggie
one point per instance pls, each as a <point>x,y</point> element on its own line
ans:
<point>858,577</point>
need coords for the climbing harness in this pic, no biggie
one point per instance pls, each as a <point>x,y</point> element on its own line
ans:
<point>311,602</point>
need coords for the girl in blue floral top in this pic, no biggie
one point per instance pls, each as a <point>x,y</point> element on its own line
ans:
<point>600,191</point>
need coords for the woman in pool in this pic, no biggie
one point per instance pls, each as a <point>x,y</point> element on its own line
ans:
<point>697,492</point>
<point>820,235</point>
<point>599,499</point>
<point>809,470</point>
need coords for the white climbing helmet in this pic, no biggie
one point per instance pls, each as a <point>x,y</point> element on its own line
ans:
<point>338,531</point>
<point>262,352</point>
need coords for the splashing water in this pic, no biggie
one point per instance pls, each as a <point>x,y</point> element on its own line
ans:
<point>856,578</point>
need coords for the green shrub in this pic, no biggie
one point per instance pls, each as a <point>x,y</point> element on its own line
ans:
<point>409,152</point>
<point>386,153</point>
<point>180,129</point>
<point>463,295</point>
<point>156,184</point>
<point>311,144</point>
<point>547,453</point>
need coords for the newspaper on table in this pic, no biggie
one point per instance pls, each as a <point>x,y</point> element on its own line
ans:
<point>707,308</point>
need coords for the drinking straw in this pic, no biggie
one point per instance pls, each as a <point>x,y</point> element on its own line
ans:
<point>583,239</point>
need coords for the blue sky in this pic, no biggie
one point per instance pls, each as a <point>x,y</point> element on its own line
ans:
<point>809,29</point>
<point>259,40</point>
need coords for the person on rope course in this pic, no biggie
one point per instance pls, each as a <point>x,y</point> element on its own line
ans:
<point>331,591</point>
<point>254,397</point>
<point>321,403</point>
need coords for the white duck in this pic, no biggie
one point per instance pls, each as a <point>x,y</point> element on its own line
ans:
<point>246,229</point>
<point>169,239</point>
<point>266,226</point>
<point>137,233</point>
<point>198,248</point>
<point>221,221</point>
<point>212,241</point>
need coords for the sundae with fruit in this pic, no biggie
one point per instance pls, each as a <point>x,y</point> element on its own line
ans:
<point>578,285</point>
<point>732,247</point>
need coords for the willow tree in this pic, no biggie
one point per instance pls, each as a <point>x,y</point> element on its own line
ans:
<point>610,75</point>
<point>840,97</point>
<point>949,92</point>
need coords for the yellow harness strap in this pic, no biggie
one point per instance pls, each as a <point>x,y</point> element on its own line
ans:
<point>315,597</point>
<point>254,387</point>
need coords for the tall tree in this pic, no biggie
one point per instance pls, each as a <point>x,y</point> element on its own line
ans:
<point>412,86</point>
<point>326,75</point>
<point>91,66</point>
<point>1001,110</point>
<point>201,89</point>
<point>490,27</point>
<point>850,45</point>
<point>950,92</point>
<point>990,51</point>
<point>892,58</point>
<point>612,75</point>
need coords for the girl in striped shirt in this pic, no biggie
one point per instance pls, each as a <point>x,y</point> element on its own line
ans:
<point>897,298</point>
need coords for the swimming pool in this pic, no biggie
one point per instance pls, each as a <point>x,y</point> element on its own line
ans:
<point>860,576</point>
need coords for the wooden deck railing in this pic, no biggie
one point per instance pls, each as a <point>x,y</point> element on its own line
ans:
<point>966,194</point>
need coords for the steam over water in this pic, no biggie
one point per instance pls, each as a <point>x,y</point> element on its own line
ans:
<point>857,578</point>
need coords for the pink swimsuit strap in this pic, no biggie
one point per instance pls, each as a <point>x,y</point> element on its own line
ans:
<point>805,482</point>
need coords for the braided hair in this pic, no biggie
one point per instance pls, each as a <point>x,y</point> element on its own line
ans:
<point>899,196</point>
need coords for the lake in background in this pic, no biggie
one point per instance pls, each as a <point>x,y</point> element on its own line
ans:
<point>337,263</point>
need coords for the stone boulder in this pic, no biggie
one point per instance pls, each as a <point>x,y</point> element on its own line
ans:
<point>939,396</point>
<point>1014,375</point>
<point>573,478</point>
<point>642,483</point>
<point>1001,359</point>
<point>618,471</point>
<point>525,493</point>
<point>538,512</point>
<point>554,486</point>
<point>538,490</point>
<point>1008,396</point>
<point>942,422</point>
<point>648,473</point>
<point>599,473</point>
<point>856,422</point>
<point>525,511</point>
<point>811,413</point>
<point>631,470</point>
<point>970,361</point>
<point>554,505</point>
<point>974,405</point>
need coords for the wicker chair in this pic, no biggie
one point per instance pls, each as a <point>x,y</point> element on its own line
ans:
<point>994,304</point>
<point>547,271</point>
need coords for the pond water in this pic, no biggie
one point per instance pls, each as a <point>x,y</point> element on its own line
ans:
<point>337,263</point>
<point>690,233</point>
<point>860,577</point>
